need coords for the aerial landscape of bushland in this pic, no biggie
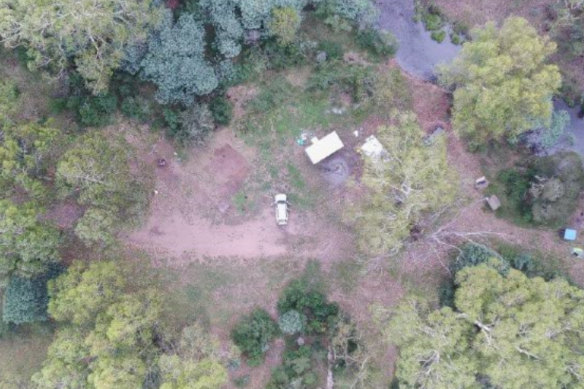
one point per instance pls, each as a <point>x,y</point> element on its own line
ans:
<point>288,194</point>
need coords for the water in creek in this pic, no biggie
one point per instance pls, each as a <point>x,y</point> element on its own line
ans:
<point>417,54</point>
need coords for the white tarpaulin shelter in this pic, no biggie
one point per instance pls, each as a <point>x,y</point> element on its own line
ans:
<point>324,147</point>
<point>373,148</point>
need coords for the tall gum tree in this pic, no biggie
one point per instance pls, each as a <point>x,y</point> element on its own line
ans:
<point>503,82</point>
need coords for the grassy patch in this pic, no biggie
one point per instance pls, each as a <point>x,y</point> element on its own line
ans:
<point>22,353</point>
<point>219,290</point>
<point>346,274</point>
<point>275,120</point>
<point>240,200</point>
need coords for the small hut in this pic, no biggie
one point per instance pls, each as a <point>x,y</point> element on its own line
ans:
<point>494,202</point>
<point>324,147</point>
<point>570,234</point>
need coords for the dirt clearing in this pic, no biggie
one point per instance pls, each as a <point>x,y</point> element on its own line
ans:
<point>192,214</point>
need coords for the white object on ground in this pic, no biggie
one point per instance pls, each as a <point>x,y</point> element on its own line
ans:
<point>373,148</point>
<point>322,148</point>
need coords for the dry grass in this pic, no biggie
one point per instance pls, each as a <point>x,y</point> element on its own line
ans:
<point>22,355</point>
<point>478,12</point>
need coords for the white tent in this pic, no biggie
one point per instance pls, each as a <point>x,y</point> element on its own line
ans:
<point>373,148</point>
<point>322,148</point>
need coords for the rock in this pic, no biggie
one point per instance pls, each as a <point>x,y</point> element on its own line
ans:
<point>321,56</point>
<point>252,36</point>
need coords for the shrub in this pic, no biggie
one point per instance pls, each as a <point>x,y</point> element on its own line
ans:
<point>473,254</point>
<point>306,296</point>
<point>8,98</point>
<point>523,262</point>
<point>222,110</point>
<point>252,64</point>
<point>333,50</point>
<point>432,21</point>
<point>253,333</point>
<point>282,57</point>
<point>391,92</point>
<point>541,191</point>
<point>91,110</point>
<point>533,264</point>
<point>516,185</point>
<point>241,382</point>
<point>357,80</point>
<point>226,73</point>
<point>378,43</point>
<point>195,125</point>
<point>172,120</point>
<point>296,370</point>
<point>438,36</point>
<point>284,24</point>
<point>301,297</point>
<point>358,12</point>
<point>291,322</point>
<point>25,299</point>
<point>136,108</point>
<point>96,111</point>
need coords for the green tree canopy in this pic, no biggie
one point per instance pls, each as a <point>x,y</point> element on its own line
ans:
<point>66,364</point>
<point>25,300</point>
<point>25,153</point>
<point>513,331</point>
<point>504,84</point>
<point>8,100</point>
<point>253,333</point>
<point>97,171</point>
<point>284,24</point>
<point>91,34</point>
<point>195,363</point>
<point>410,181</point>
<point>176,62</point>
<point>112,336</point>
<point>27,245</point>
<point>109,333</point>
<point>80,294</point>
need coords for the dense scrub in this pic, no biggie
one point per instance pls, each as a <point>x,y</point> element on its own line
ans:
<point>540,191</point>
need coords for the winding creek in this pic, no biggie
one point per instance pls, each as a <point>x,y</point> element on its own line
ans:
<point>417,54</point>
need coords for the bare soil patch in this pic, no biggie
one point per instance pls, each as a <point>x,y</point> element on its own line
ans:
<point>228,170</point>
<point>192,214</point>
